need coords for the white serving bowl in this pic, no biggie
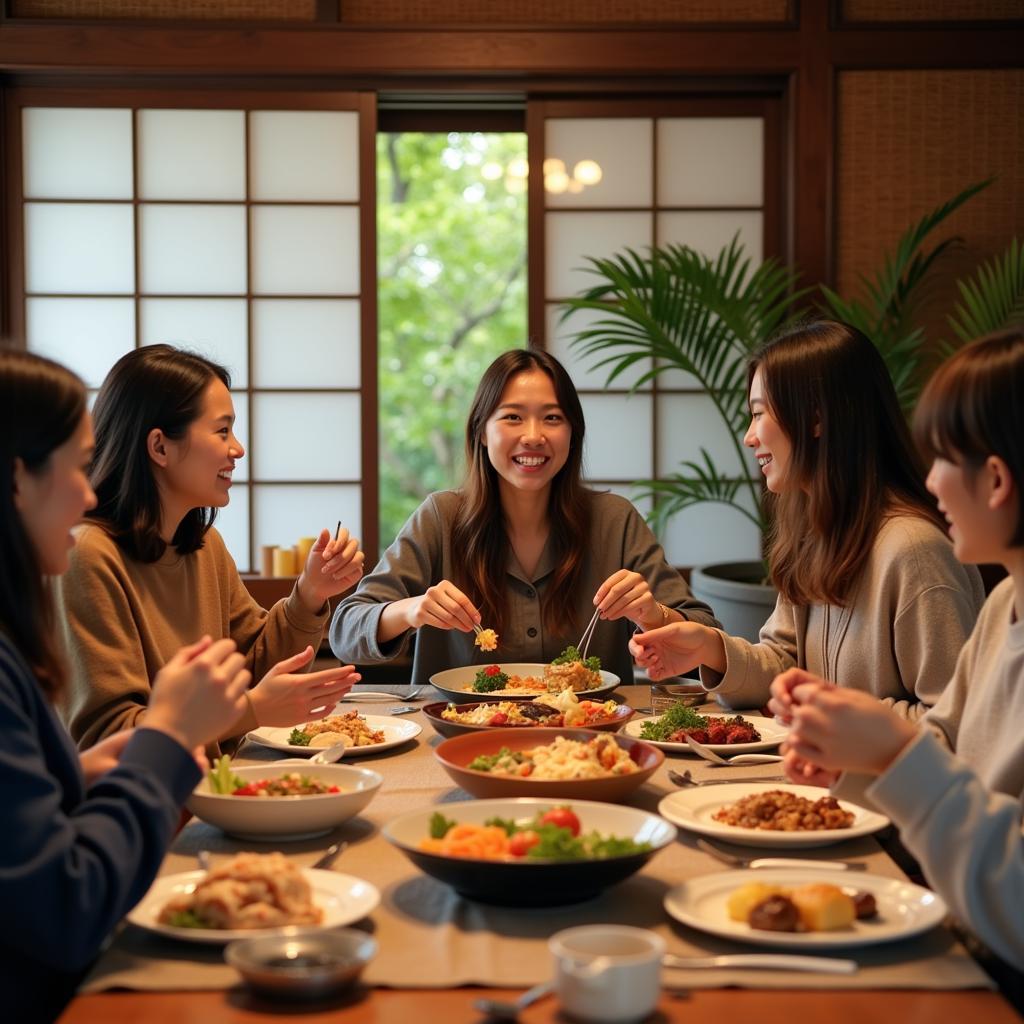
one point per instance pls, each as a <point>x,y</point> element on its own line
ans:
<point>286,817</point>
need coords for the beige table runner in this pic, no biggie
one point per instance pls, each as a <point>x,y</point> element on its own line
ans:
<point>429,937</point>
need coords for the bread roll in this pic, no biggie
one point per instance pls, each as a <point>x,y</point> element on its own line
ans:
<point>823,907</point>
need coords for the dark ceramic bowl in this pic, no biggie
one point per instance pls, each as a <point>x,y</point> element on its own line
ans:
<point>527,883</point>
<point>623,713</point>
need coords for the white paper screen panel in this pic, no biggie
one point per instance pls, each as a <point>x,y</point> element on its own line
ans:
<point>306,437</point>
<point>283,514</point>
<point>308,154</point>
<point>188,249</point>
<point>191,154</point>
<point>687,423</point>
<point>618,441</point>
<point>86,335</point>
<point>233,524</point>
<point>711,231</point>
<point>240,400</point>
<point>306,343</point>
<point>579,365</point>
<point>83,248</point>
<point>623,149</point>
<point>570,237</point>
<point>77,153</point>
<point>711,533</point>
<point>710,161</point>
<point>215,328</point>
<point>305,250</point>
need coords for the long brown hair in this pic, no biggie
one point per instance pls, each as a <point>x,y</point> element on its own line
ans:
<point>973,407</point>
<point>154,386</point>
<point>479,533</point>
<point>853,462</point>
<point>41,406</point>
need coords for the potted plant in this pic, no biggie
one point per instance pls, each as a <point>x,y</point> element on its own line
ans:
<point>677,309</point>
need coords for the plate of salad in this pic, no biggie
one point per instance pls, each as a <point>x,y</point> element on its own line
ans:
<point>501,681</point>
<point>281,801</point>
<point>530,851</point>
<point>725,733</point>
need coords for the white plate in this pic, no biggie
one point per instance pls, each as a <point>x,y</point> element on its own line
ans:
<point>693,808</point>
<point>457,683</point>
<point>904,909</point>
<point>342,898</point>
<point>396,732</point>
<point>772,734</point>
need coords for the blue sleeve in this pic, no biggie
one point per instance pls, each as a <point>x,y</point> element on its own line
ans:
<point>71,865</point>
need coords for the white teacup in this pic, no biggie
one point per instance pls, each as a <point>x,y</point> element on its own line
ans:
<point>607,972</point>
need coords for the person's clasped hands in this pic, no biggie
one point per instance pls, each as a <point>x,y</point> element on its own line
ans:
<point>833,729</point>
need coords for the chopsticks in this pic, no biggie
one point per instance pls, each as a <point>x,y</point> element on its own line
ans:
<point>584,643</point>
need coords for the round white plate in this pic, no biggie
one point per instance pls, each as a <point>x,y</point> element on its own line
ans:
<point>693,809</point>
<point>772,734</point>
<point>904,909</point>
<point>457,683</point>
<point>396,732</point>
<point>342,898</point>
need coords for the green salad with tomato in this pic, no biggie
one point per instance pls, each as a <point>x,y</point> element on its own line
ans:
<point>555,834</point>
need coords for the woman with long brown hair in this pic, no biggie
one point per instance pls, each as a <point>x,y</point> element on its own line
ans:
<point>523,547</point>
<point>83,835</point>
<point>870,593</point>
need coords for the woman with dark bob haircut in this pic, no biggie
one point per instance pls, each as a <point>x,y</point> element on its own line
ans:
<point>523,547</point>
<point>151,572</point>
<point>870,593</point>
<point>83,835</point>
<point>954,786</point>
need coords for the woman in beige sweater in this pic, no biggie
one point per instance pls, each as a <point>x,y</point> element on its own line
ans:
<point>870,593</point>
<point>150,573</point>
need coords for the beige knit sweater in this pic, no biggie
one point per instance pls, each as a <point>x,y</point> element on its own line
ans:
<point>122,620</point>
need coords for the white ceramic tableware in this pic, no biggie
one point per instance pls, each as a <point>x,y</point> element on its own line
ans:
<point>286,817</point>
<point>694,809</point>
<point>456,684</point>
<point>606,972</point>
<point>904,909</point>
<point>342,898</point>
<point>396,732</point>
<point>772,734</point>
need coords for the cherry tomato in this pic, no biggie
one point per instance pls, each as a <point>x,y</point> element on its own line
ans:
<point>520,842</point>
<point>498,718</point>
<point>250,790</point>
<point>492,670</point>
<point>561,817</point>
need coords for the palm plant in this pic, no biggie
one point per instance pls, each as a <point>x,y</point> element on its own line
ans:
<point>993,298</point>
<point>680,310</point>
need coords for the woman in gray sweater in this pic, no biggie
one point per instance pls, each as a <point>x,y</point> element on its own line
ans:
<point>522,548</point>
<point>870,593</point>
<point>954,789</point>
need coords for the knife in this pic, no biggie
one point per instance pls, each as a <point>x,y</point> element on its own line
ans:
<point>765,961</point>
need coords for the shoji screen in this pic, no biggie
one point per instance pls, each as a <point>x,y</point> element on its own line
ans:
<point>234,232</point>
<point>693,174</point>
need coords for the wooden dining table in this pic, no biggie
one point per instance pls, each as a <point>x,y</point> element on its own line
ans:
<point>386,1003</point>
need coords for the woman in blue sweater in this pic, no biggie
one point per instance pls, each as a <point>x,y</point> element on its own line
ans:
<point>83,835</point>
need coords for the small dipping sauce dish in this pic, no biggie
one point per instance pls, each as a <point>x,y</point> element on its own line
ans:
<point>305,965</point>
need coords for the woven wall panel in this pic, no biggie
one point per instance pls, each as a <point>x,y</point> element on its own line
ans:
<point>908,141</point>
<point>579,12</point>
<point>186,10</point>
<point>932,10</point>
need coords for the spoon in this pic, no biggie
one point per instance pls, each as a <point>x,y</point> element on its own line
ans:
<point>709,755</point>
<point>329,754</point>
<point>509,1011</point>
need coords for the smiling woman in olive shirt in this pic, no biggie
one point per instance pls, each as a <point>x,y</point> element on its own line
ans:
<point>523,547</point>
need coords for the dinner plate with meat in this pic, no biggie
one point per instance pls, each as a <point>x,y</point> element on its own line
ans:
<point>824,915</point>
<point>769,814</point>
<point>725,733</point>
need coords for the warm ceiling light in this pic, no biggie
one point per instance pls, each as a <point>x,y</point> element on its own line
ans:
<point>575,186</point>
<point>518,168</point>
<point>554,166</point>
<point>588,172</point>
<point>491,171</point>
<point>557,182</point>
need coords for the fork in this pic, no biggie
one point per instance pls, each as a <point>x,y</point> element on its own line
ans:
<point>686,779</point>
<point>715,758</point>
<point>776,862</point>
<point>384,695</point>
